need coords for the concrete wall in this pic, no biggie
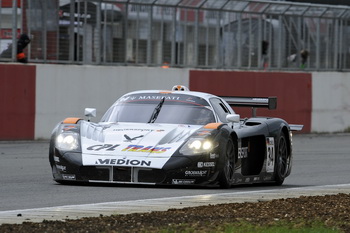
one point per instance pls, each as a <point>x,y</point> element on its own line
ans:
<point>331,102</point>
<point>66,90</point>
<point>34,98</point>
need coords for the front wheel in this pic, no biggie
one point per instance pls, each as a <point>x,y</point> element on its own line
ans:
<point>228,164</point>
<point>282,160</point>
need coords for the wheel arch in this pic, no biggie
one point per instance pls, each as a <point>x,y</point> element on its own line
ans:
<point>234,138</point>
<point>285,131</point>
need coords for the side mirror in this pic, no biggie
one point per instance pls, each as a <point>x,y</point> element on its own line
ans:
<point>233,118</point>
<point>90,112</point>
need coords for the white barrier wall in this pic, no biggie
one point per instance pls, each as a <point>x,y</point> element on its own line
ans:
<point>330,102</point>
<point>65,90</point>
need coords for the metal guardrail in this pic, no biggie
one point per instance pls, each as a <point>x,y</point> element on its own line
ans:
<point>220,34</point>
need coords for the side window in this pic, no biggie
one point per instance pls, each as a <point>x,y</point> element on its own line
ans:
<point>220,109</point>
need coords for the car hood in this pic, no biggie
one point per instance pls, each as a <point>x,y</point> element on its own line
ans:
<point>132,144</point>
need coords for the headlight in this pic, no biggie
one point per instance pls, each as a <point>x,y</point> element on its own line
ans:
<point>197,146</point>
<point>67,141</point>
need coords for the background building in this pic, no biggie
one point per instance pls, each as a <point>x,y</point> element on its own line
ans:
<point>225,34</point>
<point>328,2</point>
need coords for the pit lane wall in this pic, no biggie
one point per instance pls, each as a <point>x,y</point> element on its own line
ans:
<point>35,97</point>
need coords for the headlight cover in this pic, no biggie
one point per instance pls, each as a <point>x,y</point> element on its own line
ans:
<point>198,146</point>
<point>67,141</point>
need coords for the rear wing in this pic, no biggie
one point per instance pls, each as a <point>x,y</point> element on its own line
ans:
<point>253,102</point>
<point>294,127</point>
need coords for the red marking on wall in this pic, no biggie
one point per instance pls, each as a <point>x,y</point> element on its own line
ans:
<point>293,91</point>
<point>7,33</point>
<point>9,3</point>
<point>17,102</point>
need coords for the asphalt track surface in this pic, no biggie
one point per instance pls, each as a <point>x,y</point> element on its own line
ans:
<point>28,193</point>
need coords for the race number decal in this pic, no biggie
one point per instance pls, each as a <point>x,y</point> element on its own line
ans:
<point>270,152</point>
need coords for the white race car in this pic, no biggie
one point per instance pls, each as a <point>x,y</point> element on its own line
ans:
<point>175,137</point>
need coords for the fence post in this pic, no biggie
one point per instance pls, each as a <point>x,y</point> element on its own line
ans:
<point>14,31</point>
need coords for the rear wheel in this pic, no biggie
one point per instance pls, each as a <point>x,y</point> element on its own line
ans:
<point>228,164</point>
<point>282,160</point>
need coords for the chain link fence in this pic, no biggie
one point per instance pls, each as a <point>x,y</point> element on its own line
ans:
<point>220,34</point>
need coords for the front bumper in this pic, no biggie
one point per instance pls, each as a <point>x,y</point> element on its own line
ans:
<point>179,170</point>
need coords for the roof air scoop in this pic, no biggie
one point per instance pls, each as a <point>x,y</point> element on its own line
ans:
<point>180,88</point>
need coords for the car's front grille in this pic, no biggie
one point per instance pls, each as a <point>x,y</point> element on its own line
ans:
<point>122,174</point>
<point>94,173</point>
<point>151,176</point>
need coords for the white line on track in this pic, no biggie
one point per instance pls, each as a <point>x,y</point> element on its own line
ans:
<point>162,204</point>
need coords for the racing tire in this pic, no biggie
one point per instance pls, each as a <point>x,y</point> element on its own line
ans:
<point>226,175</point>
<point>282,160</point>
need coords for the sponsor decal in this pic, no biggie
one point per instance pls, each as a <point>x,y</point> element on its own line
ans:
<point>69,128</point>
<point>247,180</point>
<point>206,164</point>
<point>126,98</point>
<point>190,99</point>
<point>213,156</point>
<point>123,162</point>
<point>148,97</point>
<point>139,130</point>
<point>243,153</point>
<point>268,177</point>
<point>68,176</point>
<point>203,132</point>
<point>270,154</point>
<point>182,181</point>
<point>196,173</point>
<point>56,159</point>
<point>129,139</point>
<point>158,97</point>
<point>148,149</point>
<point>256,178</point>
<point>104,147</point>
<point>61,168</point>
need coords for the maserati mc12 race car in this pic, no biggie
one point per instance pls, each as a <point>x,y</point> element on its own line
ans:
<point>176,137</point>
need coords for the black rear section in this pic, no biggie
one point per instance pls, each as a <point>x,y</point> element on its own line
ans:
<point>254,163</point>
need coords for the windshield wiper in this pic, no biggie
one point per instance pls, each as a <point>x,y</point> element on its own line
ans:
<point>156,111</point>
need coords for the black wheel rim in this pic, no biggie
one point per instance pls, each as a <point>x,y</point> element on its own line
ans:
<point>283,157</point>
<point>229,165</point>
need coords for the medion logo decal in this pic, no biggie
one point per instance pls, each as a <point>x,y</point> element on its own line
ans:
<point>123,162</point>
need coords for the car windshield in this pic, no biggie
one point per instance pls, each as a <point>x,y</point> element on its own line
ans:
<point>150,108</point>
